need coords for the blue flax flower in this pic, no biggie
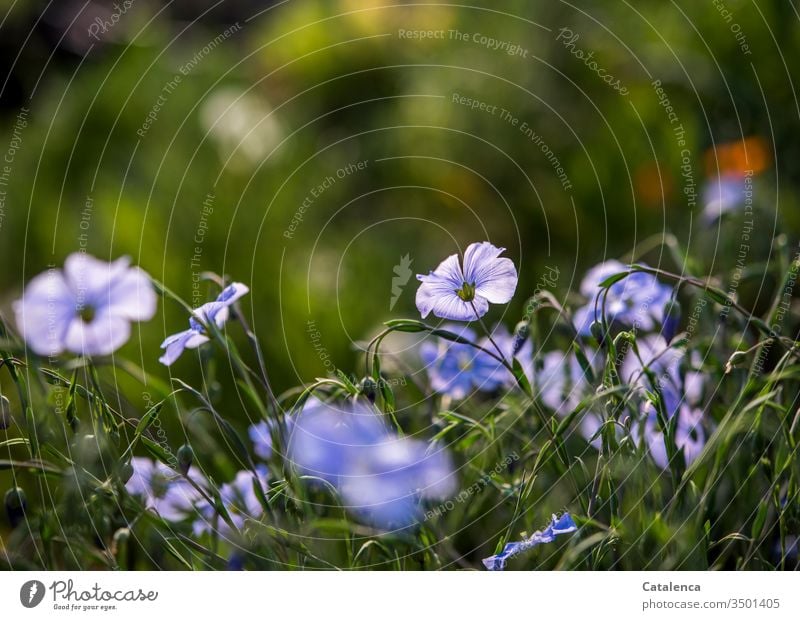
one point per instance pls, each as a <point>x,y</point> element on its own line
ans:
<point>637,301</point>
<point>463,293</point>
<point>240,501</point>
<point>163,490</point>
<point>455,368</point>
<point>85,309</point>
<point>380,476</point>
<point>216,312</point>
<point>559,525</point>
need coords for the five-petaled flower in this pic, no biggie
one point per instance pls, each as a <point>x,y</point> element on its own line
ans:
<point>216,312</point>
<point>464,293</point>
<point>85,309</point>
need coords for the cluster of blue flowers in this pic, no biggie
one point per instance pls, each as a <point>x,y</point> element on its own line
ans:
<point>637,302</point>
<point>381,476</point>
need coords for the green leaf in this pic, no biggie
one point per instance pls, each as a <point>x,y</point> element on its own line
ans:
<point>760,520</point>
<point>407,325</point>
<point>148,418</point>
<point>611,280</point>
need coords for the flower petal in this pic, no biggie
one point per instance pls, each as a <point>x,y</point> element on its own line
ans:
<point>175,345</point>
<point>494,278</point>
<point>103,335</point>
<point>45,311</point>
<point>444,282</point>
<point>131,296</point>
<point>454,308</point>
<point>233,292</point>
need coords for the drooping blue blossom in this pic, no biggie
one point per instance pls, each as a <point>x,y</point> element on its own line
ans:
<point>261,435</point>
<point>637,301</point>
<point>559,525</point>
<point>164,491</point>
<point>463,293</point>
<point>214,312</point>
<point>381,477</point>
<point>87,308</point>
<point>456,369</point>
<point>240,501</point>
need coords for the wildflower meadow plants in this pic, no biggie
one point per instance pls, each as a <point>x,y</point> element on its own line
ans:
<point>645,430</point>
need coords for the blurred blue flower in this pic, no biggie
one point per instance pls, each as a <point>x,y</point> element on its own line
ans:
<point>239,499</point>
<point>559,525</point>
<point>724,194</point>
<point>163,490</point>
<point>562,383</point>
<point>85,309</point>
<point>690,436</point>
<point>261,435</point>
<point>380,476</point>
<point>216,312</point>
<point>455,368</point>
<point>506,342</point>
<point>638,300</point>
<point>457,294</point>
<point>653,354</point>
<point>681,389</point>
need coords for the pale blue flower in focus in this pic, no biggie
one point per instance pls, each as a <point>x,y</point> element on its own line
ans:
<point>214,312</point>
<point>381,477</point>
<point>558,526</point>
<point>463,293</point>
<point>637,301</point>
<point>87,308</point>
<point>163,490</point>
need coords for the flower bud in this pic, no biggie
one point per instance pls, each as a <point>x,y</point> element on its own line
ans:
<point>596,329</point>
<point>734,360</point>
<point>672,319</point>
<point>185,458</point>
<point>119,545</point>
<point>369,388</point>
<point>5,413</point>
<point>16,504</point>
<point>125,472</point>
<point>521,332</point>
